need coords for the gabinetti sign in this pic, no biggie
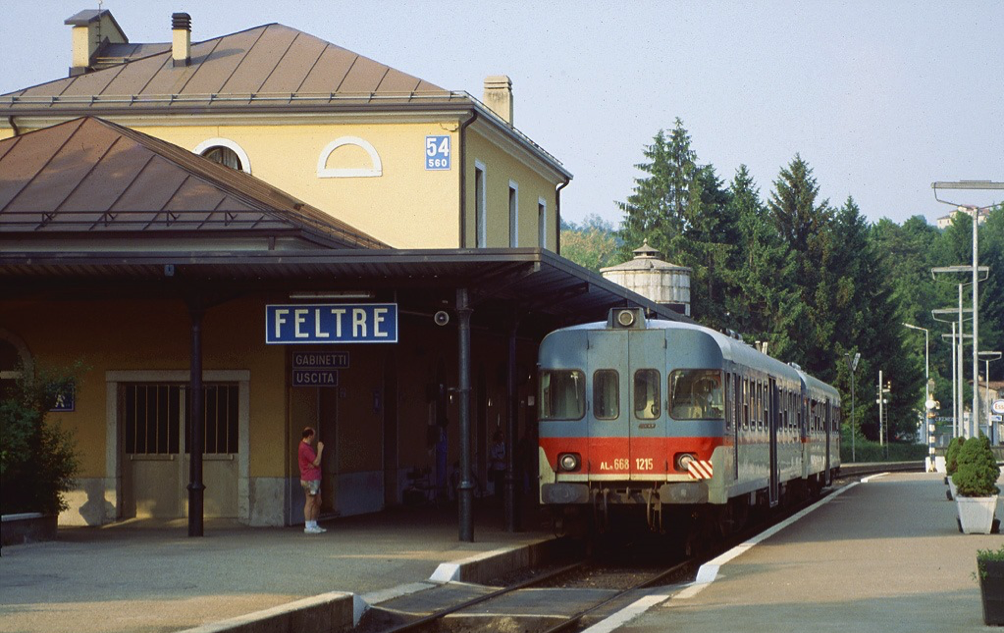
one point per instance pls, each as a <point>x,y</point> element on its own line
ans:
<point>330,323</point>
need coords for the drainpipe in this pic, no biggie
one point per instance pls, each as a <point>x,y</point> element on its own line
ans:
<point>557,215</point>
<point>463,179</point>
<point>13,126</point>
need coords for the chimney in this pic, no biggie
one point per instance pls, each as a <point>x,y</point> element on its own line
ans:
<point>92,31</point>
<point>181,41</point>
<point>498,96</point>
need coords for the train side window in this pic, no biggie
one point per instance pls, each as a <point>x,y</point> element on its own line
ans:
<point>765,405</point>
<point>696,394</point>
<point>759,405</point>
<point>646,394</point>
<point>730,398</point>
<point>606,395</point>
<point>746,404</point>
<point>562,394</point>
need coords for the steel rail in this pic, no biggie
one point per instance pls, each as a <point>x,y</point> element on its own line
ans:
<point>574,620</point>
<point>438,615</point>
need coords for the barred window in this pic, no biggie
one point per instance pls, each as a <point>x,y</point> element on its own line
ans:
<point>152,419</point>
<point>154,414</point>
<point>220,432</point>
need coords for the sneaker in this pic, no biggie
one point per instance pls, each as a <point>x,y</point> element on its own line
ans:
<point>319,529</point>
<point>313,530</point>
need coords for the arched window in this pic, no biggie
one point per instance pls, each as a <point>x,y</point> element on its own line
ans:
<point>374,169</point>
<point>225,152</point>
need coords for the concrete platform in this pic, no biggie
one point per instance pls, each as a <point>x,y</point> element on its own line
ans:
<point>146,576</point>
<point>885,555</point>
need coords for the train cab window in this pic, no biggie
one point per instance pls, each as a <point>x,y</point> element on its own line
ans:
<point>562,394</point>
<point>696,394</point>
<point>606,395</point>
<point>647,401</point>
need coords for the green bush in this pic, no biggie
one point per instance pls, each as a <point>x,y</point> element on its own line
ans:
<point>952,454</point>
<point>38,460</point>
<point>977,472</point>
<point>983,556</point>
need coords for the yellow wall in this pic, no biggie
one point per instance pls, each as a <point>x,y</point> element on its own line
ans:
<point>153,335</point>
<point>407,207</point>
<point>500,168</point>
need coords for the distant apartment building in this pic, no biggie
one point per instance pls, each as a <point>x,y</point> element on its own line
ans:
<point>946,220</point>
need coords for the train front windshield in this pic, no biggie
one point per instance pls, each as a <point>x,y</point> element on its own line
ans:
<point>562,394</point>
<point>696,394</point>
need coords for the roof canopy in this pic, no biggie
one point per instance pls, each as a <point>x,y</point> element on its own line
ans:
<point>545,289</point>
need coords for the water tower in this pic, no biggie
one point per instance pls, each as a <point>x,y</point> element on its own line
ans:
<point>653,278</point>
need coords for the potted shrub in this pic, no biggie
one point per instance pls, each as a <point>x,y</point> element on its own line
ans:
<point>990,574</point>
<point>952,463</point>
<point>976,486</point>
<point>38,458</point>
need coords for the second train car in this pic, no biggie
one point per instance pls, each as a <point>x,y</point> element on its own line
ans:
<point>677,423</point>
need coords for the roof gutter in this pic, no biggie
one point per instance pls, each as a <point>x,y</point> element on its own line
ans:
<point>463,178</point>
<point>557,215</point>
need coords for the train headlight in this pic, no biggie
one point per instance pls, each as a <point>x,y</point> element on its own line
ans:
<point>569,461</point>
<point>683,461</point>
<point>625,318</point>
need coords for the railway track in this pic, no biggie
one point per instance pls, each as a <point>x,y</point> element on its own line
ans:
<point>562,599</point>
<point>566,596</point>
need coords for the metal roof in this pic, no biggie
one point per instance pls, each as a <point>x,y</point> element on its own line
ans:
<point>90,177</point>
<point>266,68</point>
<point>268,59</point>
<point>554,290</point>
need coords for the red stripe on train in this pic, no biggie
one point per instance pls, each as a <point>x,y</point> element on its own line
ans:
<point>636,456</point>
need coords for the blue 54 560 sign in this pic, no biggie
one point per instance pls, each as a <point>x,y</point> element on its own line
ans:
<point>331,323</point>
<point>437,153</point>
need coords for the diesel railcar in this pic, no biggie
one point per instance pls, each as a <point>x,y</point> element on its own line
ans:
<point>677,423</point>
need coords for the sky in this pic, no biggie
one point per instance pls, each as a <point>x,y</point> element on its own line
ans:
<point>880,98</point>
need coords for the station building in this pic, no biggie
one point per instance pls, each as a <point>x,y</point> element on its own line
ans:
<point>263,231</point>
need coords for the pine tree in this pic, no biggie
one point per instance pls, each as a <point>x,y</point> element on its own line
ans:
<point>654,212</point>
<point>766,299</point>
<point>806,228</point>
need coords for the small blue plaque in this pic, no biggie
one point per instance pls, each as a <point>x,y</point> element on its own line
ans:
<point>437,153</point>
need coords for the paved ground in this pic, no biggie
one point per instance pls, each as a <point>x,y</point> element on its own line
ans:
<point>140,577</point>
<point>884,556</point>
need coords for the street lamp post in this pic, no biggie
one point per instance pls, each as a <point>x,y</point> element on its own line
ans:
<point>980,185</point>
<point>957,359</point>
<point>853,365</point>
<point>928,403</point>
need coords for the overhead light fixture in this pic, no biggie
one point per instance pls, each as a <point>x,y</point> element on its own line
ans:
<point>333,294</point>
